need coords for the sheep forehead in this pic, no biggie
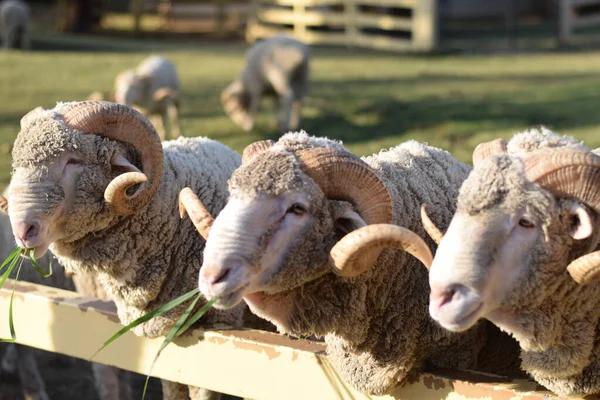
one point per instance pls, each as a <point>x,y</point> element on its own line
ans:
<point>269,173</point>
<point>534,139</point>
<point>42,140</point>
<point>498,183</point>
<point>301,140</point>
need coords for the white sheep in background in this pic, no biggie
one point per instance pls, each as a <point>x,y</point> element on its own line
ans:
<point>111,383</point>
<point>277,67</point>
<point>14,24</point>
<point>153,89</point>
<point>526,217</point>
<point>303,208</point>
<point>102,192</point>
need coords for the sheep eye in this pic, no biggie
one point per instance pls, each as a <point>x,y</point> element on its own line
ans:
<point>297,209</point>
<point>73,161</point>
<point>525,223</point>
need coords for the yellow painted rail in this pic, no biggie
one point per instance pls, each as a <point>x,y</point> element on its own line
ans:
<point>246,363</point>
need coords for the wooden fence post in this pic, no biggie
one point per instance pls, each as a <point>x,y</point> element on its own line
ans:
<point>564,21</point>
<point>425,25</point>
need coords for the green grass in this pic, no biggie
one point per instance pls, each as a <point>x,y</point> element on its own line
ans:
<point>369,100</point>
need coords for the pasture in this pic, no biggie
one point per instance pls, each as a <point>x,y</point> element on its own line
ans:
<point>366,99</point>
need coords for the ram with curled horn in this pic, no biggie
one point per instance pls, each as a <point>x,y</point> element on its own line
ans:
<point>520,252</point>
<point>93,183</point>
<point>321,242</point>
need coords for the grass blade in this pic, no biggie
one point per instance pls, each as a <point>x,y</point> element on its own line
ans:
<point>10,258</point>
<point>196,317</point>
<point>171,335</point>
<point>11,325</point>
<point>37,266</point>
<point>147,317</point>
<point>13,263</point>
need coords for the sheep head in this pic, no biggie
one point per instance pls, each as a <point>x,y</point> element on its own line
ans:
<point>236,101</point>
<point>80,167</point>
<point>294,215</point>
<point>131,88</point>
<point>519,222</point>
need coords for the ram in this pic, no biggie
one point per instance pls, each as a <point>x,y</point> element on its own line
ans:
<point>14,24</point>
<point>92,183</point>
<point>304,208</point>
<point>111,383</point>
<point>153,89</point>
<point>277,67</point>
<point>525,221</point>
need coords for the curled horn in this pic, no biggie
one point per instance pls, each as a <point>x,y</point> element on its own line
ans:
<point>253,149</point>
<point>200,216</point>
<point>570,173</point>
<point>484,150</point>
<point>30,116</point>
<point>123,124</point>
<point>434,233</point>
<point>3,204</point>
<point>343,176</point>
<point>359,249</point>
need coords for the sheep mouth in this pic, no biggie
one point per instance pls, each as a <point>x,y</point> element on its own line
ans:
<point>231,299</point>
<point>457,316</point>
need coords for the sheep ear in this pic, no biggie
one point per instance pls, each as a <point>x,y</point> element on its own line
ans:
<point>121,165</point>
<point>349,221</point>
<point>582,226</point>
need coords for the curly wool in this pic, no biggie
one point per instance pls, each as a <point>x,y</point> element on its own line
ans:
<point>377,325</point>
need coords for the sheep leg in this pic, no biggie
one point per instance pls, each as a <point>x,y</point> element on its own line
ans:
<point>24,42</point>
<point>295,114</point>
<point>197,393</point>
<point>111,383</point>
<point>252,111</point>
<point>157,121</point>
<point>29,374</point>
<point>174,390</point>
<point>279,80</point>
<point>173,114</point>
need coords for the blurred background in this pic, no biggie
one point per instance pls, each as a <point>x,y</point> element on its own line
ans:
<point>452,73</point>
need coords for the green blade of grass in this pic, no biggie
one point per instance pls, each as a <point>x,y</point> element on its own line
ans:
<point>196,317</point>
<point>10,258</point>
<point>171,335</point>
<point>11,325</point>
<point>37,266</point>
<point>13,263</point>
<point>146,317</point>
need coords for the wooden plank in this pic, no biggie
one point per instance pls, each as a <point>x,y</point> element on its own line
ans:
<point>384,22</point>
<point>585,21</point>
<point>246,363</point>
<point>289,17</point>
<point>425,26</point>
<point>381,42</point>
<point>579,3</point>
<point>382,3</point>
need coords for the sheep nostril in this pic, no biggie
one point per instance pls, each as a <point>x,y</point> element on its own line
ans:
<point>32,231</point>
<point>446,295</point>
<point>216,276</point>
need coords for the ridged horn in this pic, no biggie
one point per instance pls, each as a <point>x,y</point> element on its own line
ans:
<point>343,176</point>
<point>566,173</point>
<point>359,249</point>
<point>123,124</point>
<point>254,148</point>
<point>200,216</point>
<point>434,233</point>
<point>3,204</point>
<point>570,173</point>
<point>30,116</point>
<point>484,150</point>
<point>586,269</point>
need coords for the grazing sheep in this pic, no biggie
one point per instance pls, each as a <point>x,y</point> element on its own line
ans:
<point>92,182</point>
<point>14,24</point>
<point>276,67</point>
<point>525,219</point>
<point>153,89</point>
<point>302,208</point>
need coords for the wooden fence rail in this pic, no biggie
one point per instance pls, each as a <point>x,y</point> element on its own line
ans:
<point>396,25</point>
<point>577,14</point>
<point>251,364</point>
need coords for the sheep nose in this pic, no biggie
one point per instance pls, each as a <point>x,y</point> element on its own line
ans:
<point>442,295</point>
<point>212,275</point>
<point>26,233</point>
